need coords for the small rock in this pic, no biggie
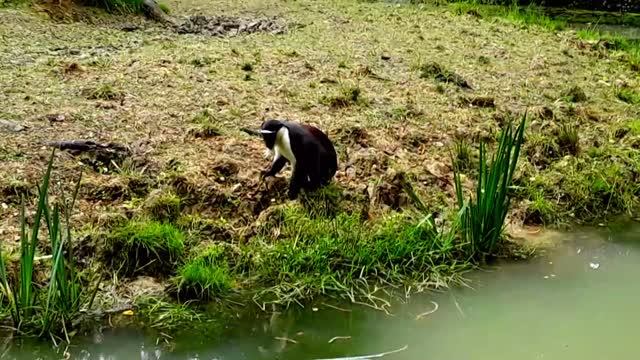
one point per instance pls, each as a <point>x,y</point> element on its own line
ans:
<point>129,27</point>
<point>54,117</point>
<point>594,266</point>
<point>385,57</point>
<point>11,126</point>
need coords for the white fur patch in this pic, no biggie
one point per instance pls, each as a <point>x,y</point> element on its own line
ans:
<point>283,146</point>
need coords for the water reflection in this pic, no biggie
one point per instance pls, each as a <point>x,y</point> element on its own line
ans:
<point>555,307</point>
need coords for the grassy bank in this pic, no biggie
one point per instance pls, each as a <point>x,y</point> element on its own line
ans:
<point>316,248</point>
<point>179,212</point>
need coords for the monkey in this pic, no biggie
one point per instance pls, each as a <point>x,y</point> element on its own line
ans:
<point>310,152</point>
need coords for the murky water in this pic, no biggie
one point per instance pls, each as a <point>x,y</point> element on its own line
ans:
<point>581,301</point>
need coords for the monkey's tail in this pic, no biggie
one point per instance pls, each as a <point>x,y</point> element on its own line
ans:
<point>250,131</point>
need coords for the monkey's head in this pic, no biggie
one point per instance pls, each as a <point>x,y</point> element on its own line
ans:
<point>269,131</point>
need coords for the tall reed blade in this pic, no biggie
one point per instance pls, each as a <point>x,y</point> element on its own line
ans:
<point>482,218</point>
<point>28,246</point>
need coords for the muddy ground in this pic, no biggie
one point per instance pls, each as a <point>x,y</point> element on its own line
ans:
<point>363,72</point>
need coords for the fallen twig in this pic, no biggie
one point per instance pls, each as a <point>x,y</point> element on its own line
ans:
<point>250,131</point>
<point>336,308</point>
<point>88,145</point>
<point>339,338</point>
<point>366,357</point>
<point>420,316</point>
<point>286,339</point>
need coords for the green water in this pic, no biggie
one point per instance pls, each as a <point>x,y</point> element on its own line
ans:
<point>580,301</point>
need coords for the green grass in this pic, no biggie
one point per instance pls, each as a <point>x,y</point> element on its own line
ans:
<point>628,95</point>
<point>205,125</point>
<point>8,3</point>
<point>117,6</point>
<point>531,15</point>
<point>568,139</point>
<point>463,155</point>
<point>630,48</point>
<point>103,92</point>
<point>634,127</point>
<point>540,210</point>
<point>206,275</point>
<point>44,309</point>
<point>600,183</point>
<point>163,206</point>
<point>162,315</point>
<point>165,8</point>
<point>607,184</point>
<point>483,217</point>
<point>141,247</point>
<point>345,97</point>
<point>347,257</point>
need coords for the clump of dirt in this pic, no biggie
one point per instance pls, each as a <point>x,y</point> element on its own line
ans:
<point>110,188</point>
<point>13,191</point>
<point>354,135</point>
<point>162,205</point>
<point>229,26</point>
<point>365,162</point>
<point>441,74</point>
<point>576,94</point>
<point>479,101</point>
<point>389,191</point>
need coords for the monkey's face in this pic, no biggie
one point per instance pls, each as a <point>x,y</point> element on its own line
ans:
<point>269,131</point>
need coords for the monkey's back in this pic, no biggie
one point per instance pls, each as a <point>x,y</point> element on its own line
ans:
<point>318,148</point>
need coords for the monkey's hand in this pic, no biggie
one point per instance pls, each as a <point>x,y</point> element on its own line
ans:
<point>265,174</point>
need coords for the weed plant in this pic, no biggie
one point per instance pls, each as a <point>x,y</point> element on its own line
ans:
<point>44,309</point>
<point>483,216</point>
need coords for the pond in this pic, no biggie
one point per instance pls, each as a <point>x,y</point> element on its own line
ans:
<point>578,301</point>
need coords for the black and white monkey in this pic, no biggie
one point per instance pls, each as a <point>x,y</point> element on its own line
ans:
<point>309,151</point>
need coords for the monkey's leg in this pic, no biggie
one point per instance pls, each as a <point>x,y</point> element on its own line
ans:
<point>276,166</point>
<point>298,179</point>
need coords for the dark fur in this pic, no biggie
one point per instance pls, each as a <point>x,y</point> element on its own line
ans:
<point>316,159</point>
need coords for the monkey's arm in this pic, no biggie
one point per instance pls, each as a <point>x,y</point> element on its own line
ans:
<point>276,166</point>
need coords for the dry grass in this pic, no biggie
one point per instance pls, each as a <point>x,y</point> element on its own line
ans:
<point>161,80</point>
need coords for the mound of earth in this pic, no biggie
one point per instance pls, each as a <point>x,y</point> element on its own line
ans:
<point>228,26</point>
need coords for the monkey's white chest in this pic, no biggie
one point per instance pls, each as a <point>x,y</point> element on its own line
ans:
<point>283,146</point>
